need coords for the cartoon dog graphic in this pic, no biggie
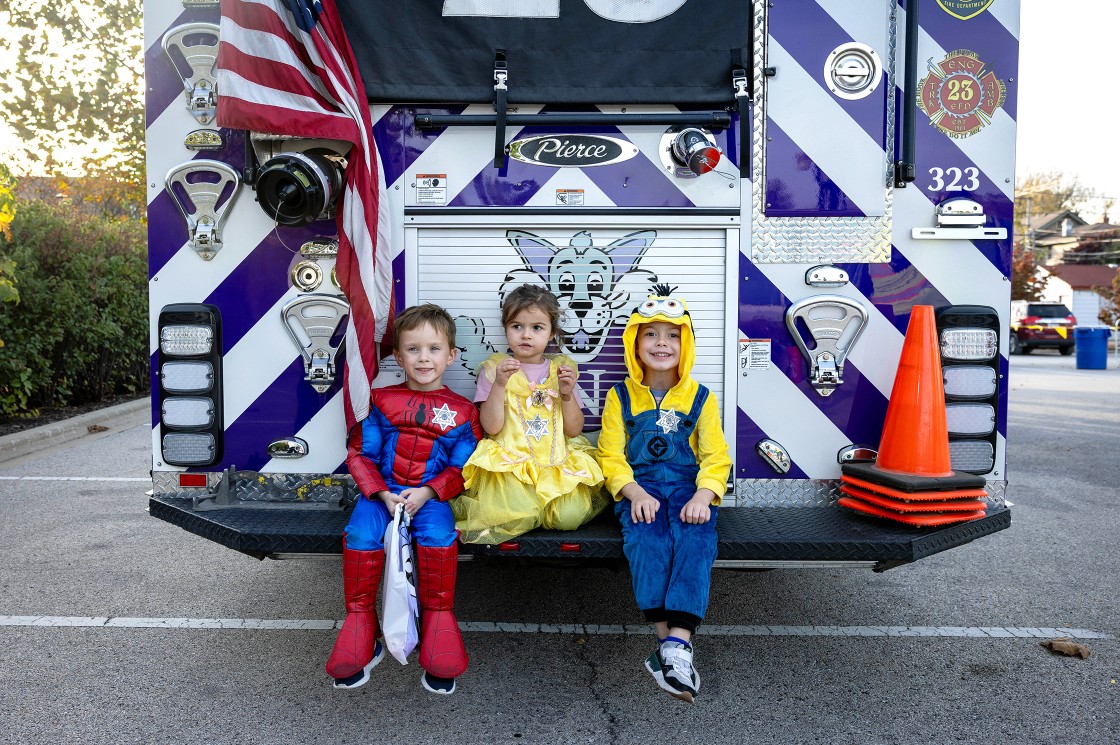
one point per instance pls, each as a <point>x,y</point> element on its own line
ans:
<point>594,286</point>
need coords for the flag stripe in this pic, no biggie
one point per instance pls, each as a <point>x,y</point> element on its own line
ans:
<point>286,68</point>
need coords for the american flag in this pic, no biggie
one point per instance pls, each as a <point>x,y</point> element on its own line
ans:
<point>285,67</point>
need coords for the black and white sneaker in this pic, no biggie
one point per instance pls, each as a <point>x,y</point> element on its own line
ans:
<point>442,686</point>
<point>360,678</point>
<point>674,671</point>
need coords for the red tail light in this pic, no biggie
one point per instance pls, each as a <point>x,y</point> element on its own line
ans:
<point>1028,320</point>
<point>1072,319</point>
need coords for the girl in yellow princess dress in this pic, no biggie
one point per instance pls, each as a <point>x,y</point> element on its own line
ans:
<point>534,468</point>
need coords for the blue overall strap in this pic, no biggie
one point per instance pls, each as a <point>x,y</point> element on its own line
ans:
<point>697,407</point>
<point>624,402</point>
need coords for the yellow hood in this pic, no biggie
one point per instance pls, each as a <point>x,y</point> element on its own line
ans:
<point>660,307</point>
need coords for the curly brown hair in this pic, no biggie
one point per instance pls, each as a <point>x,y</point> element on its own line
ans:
<point>418,315</point>
<point>534,296</point>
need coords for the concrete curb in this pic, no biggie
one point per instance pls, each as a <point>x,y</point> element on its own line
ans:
<point>19,444</point>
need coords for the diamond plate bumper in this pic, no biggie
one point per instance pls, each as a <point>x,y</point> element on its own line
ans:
<point>779,534</point>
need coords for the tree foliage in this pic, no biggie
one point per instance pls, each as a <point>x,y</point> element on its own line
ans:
<point>8,291</point>
<point>79,332</point>
<point>1025,282</point>
<point>77,85</point>
<point>1110,314</point>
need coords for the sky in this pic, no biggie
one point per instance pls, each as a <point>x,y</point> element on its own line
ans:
<point>1068,112</point>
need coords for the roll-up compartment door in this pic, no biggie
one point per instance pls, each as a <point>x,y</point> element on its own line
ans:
<point>599,274</point>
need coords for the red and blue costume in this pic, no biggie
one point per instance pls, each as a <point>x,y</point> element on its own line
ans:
<point>410,439</point>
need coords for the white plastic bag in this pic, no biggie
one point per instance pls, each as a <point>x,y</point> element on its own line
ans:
<point>400,612</point>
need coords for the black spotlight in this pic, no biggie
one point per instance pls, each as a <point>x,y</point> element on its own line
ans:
<point>298,188</point>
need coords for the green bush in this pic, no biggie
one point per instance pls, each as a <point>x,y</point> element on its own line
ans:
<point>80,330</point>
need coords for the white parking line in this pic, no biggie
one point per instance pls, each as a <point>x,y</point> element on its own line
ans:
<point>485,627</point>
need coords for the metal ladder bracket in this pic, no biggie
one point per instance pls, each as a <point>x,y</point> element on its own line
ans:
<point>835,322</point>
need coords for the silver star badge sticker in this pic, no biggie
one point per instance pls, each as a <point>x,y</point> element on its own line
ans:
<point>536,427</point>
<point>444,417</point>
<point>668,421</point>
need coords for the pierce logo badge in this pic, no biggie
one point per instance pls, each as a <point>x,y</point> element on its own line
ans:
<point>965,9</point>
<point>571,151</point>
<point>960,95</point>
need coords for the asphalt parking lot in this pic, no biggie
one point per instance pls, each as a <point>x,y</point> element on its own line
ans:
<point>116,627</point>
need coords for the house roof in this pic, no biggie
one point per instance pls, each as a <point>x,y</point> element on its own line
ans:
<point>1052,220</point>
<point>1084,276</point>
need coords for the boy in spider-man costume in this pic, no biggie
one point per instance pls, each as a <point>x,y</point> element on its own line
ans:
<point>410,450</point>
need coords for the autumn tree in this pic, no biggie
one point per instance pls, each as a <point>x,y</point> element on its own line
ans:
<point>1110,314</point>
<point>77,87</point>
<point>1025,282</point>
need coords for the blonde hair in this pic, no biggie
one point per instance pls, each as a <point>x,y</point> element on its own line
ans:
<point>419,315</point>
<point>534,296</point>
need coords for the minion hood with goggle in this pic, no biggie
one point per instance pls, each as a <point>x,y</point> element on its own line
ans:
<point>660,307</point>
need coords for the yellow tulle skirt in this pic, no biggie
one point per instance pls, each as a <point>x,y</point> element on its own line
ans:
<point>508,494</point>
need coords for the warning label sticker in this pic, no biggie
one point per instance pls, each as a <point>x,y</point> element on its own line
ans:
<point>431,188</point>
<point>754,354</point>
<point>569,197</point>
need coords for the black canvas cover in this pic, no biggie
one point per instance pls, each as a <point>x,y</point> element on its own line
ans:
<point>417,51</point>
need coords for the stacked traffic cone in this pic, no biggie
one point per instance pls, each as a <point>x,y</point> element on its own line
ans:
<point>911,480</point>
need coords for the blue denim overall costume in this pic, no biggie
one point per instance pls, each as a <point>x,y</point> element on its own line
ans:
<point>665,555</point>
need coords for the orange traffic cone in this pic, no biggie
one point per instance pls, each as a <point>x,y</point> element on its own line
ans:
<point>913,462</point>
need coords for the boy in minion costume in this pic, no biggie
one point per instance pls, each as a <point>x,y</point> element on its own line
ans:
<point>666,463</point>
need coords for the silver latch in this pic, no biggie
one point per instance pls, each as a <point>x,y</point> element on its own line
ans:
<point>197,187</point>
<point>853,71</point>
<point>834,322</point>
<point>826,275</point>
<point>961,212</point>
<point>959,218</point>
<point>313,321</point>
<point>199,54</point>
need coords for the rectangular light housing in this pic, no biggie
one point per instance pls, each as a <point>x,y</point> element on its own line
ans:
<point>973,456</point>
<point>969,344</point>
<point>189,448</point>
<point>187,412</point>
<point>187,377</point>
<point>970,419</point>
<point>192,429</point>
<point>974,381</point>
<point>181,340</point>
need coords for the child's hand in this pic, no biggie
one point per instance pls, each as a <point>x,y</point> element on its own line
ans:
<point>506,368</point>
<point>415,498</point>
<point>643,507</point>
<point>389,499</point>
<point>568,378</point>
<point>698,509</point>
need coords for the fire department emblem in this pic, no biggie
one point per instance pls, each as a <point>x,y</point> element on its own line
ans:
<point>960,95</point>
<point>964,9</point>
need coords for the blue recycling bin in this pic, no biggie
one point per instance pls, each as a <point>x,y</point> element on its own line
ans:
<point>1092,347</point>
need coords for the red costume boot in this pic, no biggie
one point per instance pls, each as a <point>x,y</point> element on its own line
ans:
<point>441,645</point>
<point>357,651</point>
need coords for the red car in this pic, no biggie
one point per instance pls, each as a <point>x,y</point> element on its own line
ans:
<point>1045,325</point>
